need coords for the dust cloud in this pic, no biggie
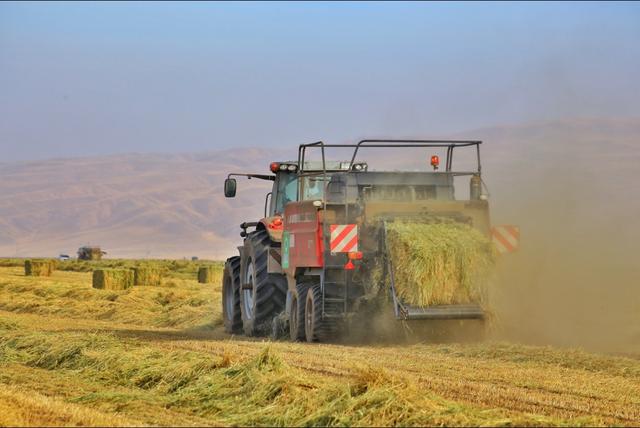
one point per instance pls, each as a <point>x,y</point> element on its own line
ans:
<point>576,279</point>
<point>573,189</point>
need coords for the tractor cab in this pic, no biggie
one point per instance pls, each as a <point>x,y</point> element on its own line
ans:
<point>290,186</point>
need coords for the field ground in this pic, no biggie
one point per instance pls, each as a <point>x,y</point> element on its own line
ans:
<point>72,355</point>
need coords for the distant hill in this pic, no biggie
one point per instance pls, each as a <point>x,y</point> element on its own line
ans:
<point>133,205</point>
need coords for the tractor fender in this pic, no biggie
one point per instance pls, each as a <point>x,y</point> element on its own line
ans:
<point>270,224</point>
<point>273,226</point>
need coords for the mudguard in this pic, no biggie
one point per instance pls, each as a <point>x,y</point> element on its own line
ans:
<point>274,226</point>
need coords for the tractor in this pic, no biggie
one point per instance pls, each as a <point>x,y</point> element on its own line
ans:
<point>90,253</point>
<point>304,267</point>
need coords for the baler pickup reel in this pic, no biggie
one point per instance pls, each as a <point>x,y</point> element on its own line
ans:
<point>404,311</point>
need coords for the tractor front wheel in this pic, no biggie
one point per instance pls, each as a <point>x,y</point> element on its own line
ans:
<point>262,295</point>
<point>231,296</point>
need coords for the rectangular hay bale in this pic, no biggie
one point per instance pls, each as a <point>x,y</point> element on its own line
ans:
<point>439,263</point>
<point>39,267</point>
<point>146,276</point>
<point>113,279</point>
<point>205,274</point>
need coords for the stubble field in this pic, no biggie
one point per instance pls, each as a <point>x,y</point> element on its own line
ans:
<point>73,355</point>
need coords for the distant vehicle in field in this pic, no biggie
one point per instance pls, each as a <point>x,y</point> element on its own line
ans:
<point>63,257</point>
<point>90,253</point>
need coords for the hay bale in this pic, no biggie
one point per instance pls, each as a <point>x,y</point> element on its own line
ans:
<point>205,274</point>
<point>113,279</point>
<point>146,276</point>
<point>39,267</point>
<point>439,264</point>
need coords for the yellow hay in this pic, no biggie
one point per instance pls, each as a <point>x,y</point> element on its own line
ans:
<point>205,274</point>
<point>37,267</point>
<point>146,276</point>
<point>439,264</point>
<point>113,279</point>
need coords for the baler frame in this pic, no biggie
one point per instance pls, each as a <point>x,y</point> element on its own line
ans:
<point>449,144</point>
<point>401,310</point>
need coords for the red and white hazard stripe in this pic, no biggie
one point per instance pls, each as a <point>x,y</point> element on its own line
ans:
<point>344,238</point>
<point>506,238</point>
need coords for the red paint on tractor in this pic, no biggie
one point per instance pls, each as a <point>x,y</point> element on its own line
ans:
<point>305,243</point>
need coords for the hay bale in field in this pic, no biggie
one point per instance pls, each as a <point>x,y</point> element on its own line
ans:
<point>205,274</point>
<point>113,279</point>
<point>146,276</point>
<point>39,267</point>
<point>439,263</point>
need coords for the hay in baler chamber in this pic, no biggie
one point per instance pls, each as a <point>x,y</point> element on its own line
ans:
<point>439,263</point>
<point>39,267</point>
<point>146,276</point>
<point>113,279</point>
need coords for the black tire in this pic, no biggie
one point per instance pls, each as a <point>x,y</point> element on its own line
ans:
<point>266,297</point>
<point>296,319</point>
<point>316,329</point>
<point>231,296</point>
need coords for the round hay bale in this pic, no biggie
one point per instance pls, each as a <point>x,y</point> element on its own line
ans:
<point>113,279</point>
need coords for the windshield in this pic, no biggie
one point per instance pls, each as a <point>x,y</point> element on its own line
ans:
<point>287,191</point>
<point>313,187</point>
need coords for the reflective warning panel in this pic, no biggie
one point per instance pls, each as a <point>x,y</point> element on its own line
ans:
<point>344,238</point>
<point>506,238</point>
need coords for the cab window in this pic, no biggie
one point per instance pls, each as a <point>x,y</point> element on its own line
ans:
<point>313,187</point>
<point>287,191</point>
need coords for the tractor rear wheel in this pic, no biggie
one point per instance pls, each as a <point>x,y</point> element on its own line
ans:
<point>296,319</point>
<point>231,296</point>
<point>262,295</point>
<point>316,328</point>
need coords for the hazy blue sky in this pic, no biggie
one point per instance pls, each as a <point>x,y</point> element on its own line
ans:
<point>81,79</point>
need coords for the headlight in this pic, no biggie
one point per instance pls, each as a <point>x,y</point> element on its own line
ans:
<point>292,168</point>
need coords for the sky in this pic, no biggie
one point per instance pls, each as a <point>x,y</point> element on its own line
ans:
<point>85,79</point>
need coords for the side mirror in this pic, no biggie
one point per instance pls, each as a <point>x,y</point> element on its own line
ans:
<point>230,187</point>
